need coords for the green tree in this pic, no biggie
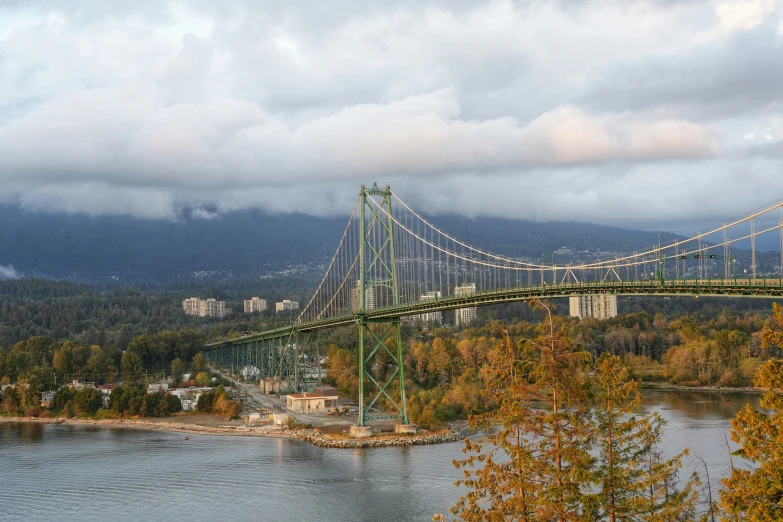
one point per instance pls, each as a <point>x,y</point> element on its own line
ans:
<point>87,401</point>
<point>132,369</point>
<point>11,401</point>
<point>536,466</point>
<point>756,495</point>
<point>634,482</point>
<point>204,403</point>
<point>177,370</point>
<point>62,397</point>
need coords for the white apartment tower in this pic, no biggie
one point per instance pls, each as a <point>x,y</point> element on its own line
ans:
<point>430,317</point>
<point>356,298</point>
<point>254,304</point>
<point>204,308</point>
<point>190,306</point>
<point>464,316</point>
<point>286,305</point>
<point>212,308</point>
<point>597,306</point>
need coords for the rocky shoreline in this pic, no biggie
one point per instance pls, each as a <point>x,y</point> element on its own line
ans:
<point>319,439</point>
<point>306,435</point>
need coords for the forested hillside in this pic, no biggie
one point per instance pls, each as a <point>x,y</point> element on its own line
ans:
<point>248,245</point>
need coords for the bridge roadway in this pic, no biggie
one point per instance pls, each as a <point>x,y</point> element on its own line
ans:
<point>736,287</point>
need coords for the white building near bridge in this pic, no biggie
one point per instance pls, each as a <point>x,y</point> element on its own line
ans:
<point>320,400</point>
<point>464,316</point>
<point>597,306</point>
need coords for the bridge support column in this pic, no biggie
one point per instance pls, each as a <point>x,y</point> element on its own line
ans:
<point>378,278</point>
<point>381,382</point>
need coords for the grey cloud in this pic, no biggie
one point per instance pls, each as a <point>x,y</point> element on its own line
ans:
<point>515,109</point>
<point>719,79</point>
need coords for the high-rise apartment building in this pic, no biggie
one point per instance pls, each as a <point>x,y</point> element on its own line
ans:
<point>190,306</point>
<point>286,305</point>
<point>356,297</point>
<point>254,304</point>
<point>597,306</point>
<point>464,316</point>
<point>430,317</point>
<point>204,308</point>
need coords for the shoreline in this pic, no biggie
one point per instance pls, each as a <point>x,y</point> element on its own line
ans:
<point>310,436</point>
<point>721,389</point>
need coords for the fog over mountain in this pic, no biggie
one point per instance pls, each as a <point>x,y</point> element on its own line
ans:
<point>247,244</point>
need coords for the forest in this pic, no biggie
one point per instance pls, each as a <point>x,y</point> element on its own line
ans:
<point>562,437</point>
<point>246,244</point>
<point>62,331</point>
<point>562,390</point>
<point>446,369</point>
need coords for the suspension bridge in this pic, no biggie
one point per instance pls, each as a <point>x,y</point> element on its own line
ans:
<point>392,263</point>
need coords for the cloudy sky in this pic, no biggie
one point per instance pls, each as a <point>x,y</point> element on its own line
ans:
<point>644,113</point>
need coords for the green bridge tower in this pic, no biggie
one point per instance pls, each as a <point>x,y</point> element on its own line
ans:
<point>378,278</point>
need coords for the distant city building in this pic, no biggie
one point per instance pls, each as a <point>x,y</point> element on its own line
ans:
<point>212,308</point>
<point>204,308</point>
<point>286,305</point>
<point>356,298</point>
<point>464,316</point>
<point>254,304</point>
<point>598,306</point>
<point>430,317</point>
<point>190,306</point>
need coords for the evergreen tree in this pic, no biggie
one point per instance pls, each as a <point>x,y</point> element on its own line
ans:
<point>756,495</point>
<point>635,482</point>
<point>536,466</point>
<point>132,368</point>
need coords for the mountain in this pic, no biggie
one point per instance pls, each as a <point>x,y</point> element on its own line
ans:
<point>252,244</point>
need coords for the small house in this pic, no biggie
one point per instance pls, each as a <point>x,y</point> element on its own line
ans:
<point>321,399</point>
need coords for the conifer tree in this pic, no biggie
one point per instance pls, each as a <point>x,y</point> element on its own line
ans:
<point>756,495</point>
<point>634,481</point>
<point>536,464</point>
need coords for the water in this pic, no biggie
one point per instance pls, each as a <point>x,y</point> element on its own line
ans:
<point>61,472</point>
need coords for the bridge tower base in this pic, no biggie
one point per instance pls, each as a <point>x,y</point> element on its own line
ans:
<point>361,432</point>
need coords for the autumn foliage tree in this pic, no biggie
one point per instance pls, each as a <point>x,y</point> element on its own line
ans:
<point>536,464</point>
<point>756,495</point>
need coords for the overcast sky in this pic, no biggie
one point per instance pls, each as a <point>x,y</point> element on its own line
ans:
<point>649,114</point>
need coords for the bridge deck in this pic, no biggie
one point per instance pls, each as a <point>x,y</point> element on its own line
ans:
<point>768,288</point>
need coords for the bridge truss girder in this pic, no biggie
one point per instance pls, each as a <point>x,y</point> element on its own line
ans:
<point>272,358</point>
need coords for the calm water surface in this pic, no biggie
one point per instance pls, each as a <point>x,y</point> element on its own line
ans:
<point>59,472</point>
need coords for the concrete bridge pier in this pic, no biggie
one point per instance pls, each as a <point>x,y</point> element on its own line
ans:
<point>361,432</point>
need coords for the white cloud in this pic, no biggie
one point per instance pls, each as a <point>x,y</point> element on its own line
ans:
<point>147,107</point>
<point>8,272</point>
<point>741,15</point>
<point>202,213</point>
